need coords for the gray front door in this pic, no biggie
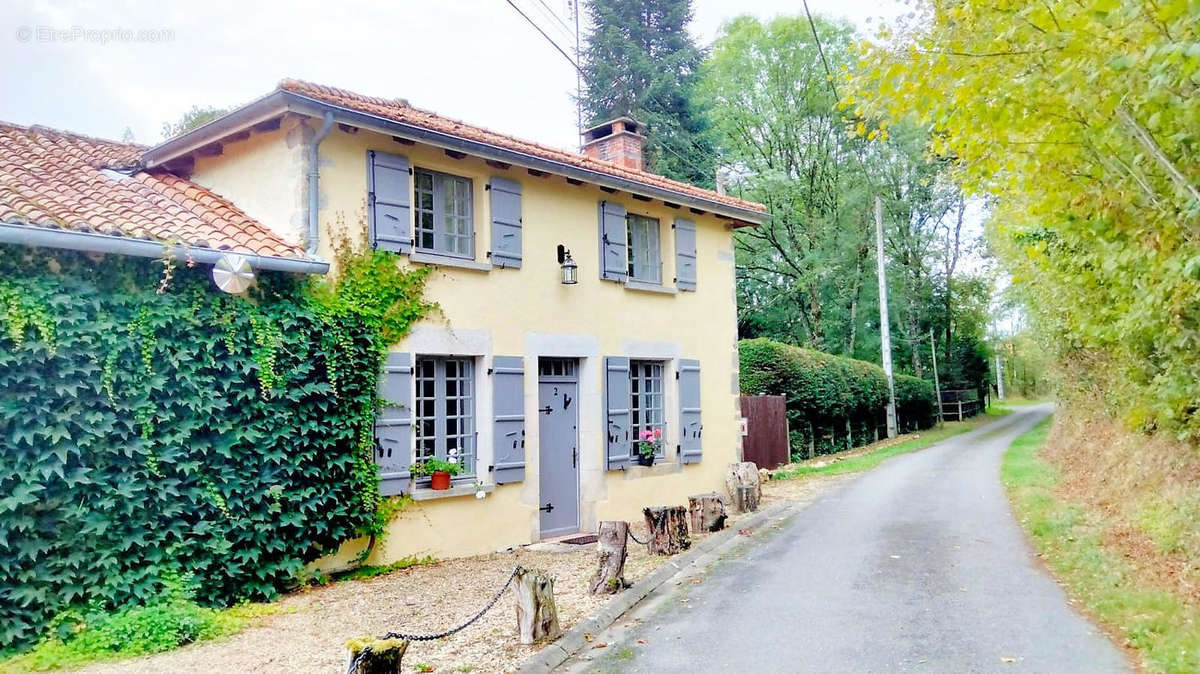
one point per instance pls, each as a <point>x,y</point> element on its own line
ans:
<point>558,451</point>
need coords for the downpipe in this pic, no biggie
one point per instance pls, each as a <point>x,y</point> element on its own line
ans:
<point>314,180</point>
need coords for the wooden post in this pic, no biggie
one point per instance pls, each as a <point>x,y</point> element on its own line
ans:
<point>668,529</point>
<point>537,617</point>
<point>707,512</point>
<point>849,434</point>
<point>610,542</point>
<point>937,386</point>
<point>812,440</point>
<point>384,655</point>
<point>740,475</point>
<point>746,499</point>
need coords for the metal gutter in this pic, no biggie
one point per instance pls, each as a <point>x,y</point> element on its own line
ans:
<point>28,235</point>
<point>281,101</point>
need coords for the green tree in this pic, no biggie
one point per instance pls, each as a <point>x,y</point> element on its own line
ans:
<point>195,117</point>
<point>1078,122</point>
<point>639,60</point>
<point>778,126</point>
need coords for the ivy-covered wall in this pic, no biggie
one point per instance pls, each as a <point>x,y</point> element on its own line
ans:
<point>151,424</point>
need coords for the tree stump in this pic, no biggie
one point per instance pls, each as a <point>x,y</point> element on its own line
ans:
<point>610,542</point>
<point>744,474</point>
<point>707,512</point>
<point>746,499</point>
<point>383,655</point>
<point>537,617</point>
<point>668,529</point>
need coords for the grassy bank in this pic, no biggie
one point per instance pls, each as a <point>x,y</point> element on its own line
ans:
<point>141,630</point>
<point>868,457</point>
<point>1075,543</point>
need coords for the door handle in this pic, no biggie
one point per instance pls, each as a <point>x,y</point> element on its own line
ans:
<point>574,457</point>
<point>547,508</point>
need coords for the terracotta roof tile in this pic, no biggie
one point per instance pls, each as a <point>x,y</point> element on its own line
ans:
<point>401,111</point>
<point>60,180</point>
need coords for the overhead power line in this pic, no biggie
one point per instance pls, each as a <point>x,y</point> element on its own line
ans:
<point>554,15</point>
<point>579,70</point>
<point>543,34</point>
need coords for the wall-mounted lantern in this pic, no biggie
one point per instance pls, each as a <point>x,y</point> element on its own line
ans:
<point>570,270</point>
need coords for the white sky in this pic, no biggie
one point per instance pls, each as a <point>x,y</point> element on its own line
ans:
<point>476,60</point>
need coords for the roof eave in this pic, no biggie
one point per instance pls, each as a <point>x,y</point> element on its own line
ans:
<point>281,101</point>
<point>45,237</point>
<point>261,110</point>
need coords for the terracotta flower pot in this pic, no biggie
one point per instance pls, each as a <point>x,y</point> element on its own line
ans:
<point>440,480</point>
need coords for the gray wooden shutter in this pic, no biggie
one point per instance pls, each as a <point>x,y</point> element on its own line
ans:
<point>393,426</point>
<point>508,428</point>
<point>617,421</point>
<point>388,195</point>
<point>506,222</point>
<point>614,263</point>
<point>685,254</point>
<point>690,428</point>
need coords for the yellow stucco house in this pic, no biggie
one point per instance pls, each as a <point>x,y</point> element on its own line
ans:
<point>536,385</point>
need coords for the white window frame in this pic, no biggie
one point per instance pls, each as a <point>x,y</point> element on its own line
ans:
<point>644,248</point>
<point>443,214</point>
<point>652,399</point>
<point>431,411</point>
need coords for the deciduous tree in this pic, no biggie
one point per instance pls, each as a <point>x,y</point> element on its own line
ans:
<point>1078,120</point>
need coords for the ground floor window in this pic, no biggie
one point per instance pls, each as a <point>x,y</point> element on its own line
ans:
<point>445,410</point>
<point>646,405</point>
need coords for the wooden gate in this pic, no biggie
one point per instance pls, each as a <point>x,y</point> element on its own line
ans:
<point>767,442</point>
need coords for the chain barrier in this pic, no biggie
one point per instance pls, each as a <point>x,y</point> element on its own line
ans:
<point>635,538</point>
<point>357,659</point>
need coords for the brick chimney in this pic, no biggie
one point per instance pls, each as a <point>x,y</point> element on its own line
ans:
<point>617,141</point>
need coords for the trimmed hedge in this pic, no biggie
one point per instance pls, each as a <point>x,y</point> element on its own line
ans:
<point>151,429</point>
<point>827,394</point>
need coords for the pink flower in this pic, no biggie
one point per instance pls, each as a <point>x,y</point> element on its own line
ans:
<point>657,433</point>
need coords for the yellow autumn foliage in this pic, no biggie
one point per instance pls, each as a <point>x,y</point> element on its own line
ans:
<point>1080,123</point>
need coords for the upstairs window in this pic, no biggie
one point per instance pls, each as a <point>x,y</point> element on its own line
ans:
<point>445,410</point>
<point>444,214</point>
<point>644,251</point>
<point>646,403</point>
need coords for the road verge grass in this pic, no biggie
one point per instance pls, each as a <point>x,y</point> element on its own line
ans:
<point>130,632</point>
<point>1162,627</point>
<point>865,458</point>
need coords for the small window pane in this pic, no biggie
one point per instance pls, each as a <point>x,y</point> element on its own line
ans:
<point>646,402</point>
<point>445,222</point>
<point>644,257</point>
<point>445,410</point>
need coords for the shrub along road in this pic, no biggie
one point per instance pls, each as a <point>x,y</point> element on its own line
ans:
<point>917,565</point>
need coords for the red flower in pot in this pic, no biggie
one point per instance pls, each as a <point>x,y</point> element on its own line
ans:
<point>439,471</point>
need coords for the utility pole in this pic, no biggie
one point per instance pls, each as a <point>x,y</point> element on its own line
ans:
<point>885,329</point>
<point>937,387</point>
<point>578,76</point>
<point>999,377</point>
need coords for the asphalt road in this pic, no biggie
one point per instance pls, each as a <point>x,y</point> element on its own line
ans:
<point>916,566</point>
